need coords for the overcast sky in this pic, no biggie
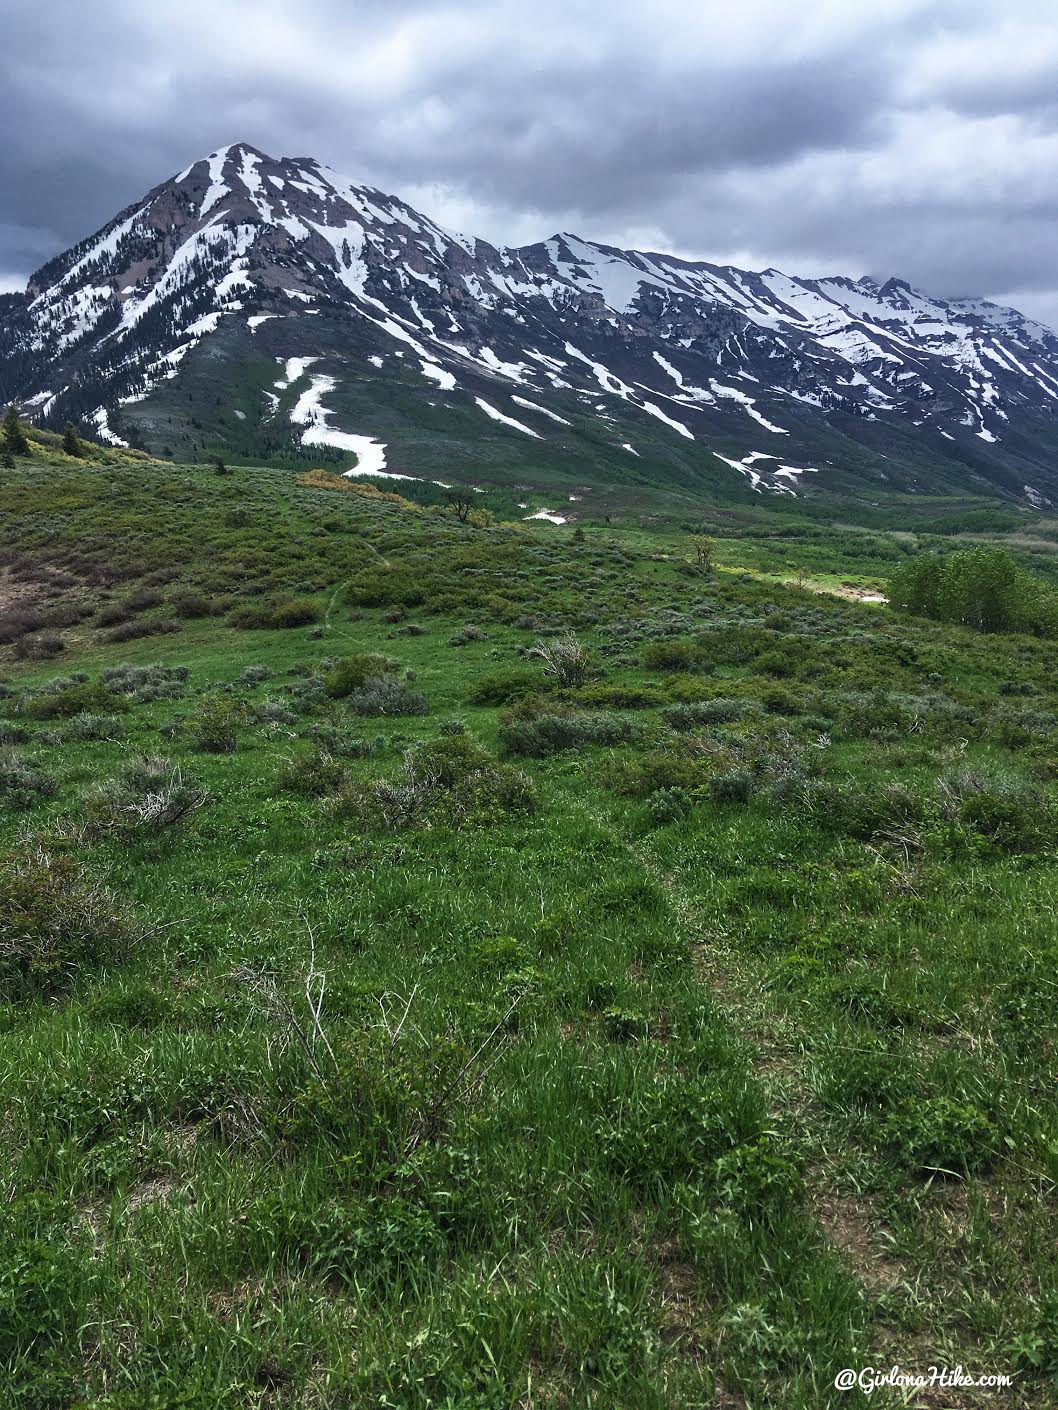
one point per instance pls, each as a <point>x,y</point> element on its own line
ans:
<point>859,136</point>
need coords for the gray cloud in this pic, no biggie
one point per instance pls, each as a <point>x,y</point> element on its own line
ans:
<point>917,137</point>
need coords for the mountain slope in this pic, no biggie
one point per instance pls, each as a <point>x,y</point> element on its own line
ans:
<point>269,305</point>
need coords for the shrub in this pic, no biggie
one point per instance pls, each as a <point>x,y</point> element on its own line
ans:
<point>1014,728</point>
<point>253,675</point>
<point>78,698</point>
<point>146,683</point>
<point>118,612</point>
<point>687,690</point>
<point>271,711</point>
<point>83,728</point>
<point>43,647</point>
<point>544,734</point>
<point>214,728</point>
<point>113,614</point>
<point>133,631</point>
<point>56,924</point>
<point>251,618</point>
<point>344,746</point>
<point>672,656</point>
<point>778,701</point>
<point>504,687</point>
<point>1010,812</point>
<point>288,612</point>
<point>294,612</point>
<point>386,696</point>
<point>351,672</point>
<point>313,775</point>
<point>149,795</point>
<point>466,634</point>
<point>776,663</point>
<point>305,694</point>
<point>455,778</point>
<point>565,658</point>
<point>191,605</point>
<point>658,769</point>
<point>733,787</point>
<point>23,780</point>
<point>387,587</point>
<point>68,614</point>
<point>668,805</point>
<point>17,621</point>
<point>601,695</point>
<point>709,712</point>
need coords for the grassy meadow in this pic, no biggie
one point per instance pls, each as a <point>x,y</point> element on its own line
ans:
<point>474,967</point>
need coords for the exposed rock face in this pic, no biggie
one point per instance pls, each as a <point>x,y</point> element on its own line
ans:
<point>760,375</point>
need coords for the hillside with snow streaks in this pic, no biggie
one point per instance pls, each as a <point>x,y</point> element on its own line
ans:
<point>593,352</point>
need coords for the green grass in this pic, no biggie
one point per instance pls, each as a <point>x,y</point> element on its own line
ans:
<point>675,1039</point>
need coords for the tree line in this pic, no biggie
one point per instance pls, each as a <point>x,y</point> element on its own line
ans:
<point>982,588</point>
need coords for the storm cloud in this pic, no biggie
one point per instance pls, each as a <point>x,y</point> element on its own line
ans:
<point>887,137</point>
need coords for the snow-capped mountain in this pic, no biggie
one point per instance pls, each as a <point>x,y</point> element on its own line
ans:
<point>325,314</point>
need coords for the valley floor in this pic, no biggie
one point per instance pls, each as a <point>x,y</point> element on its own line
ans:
<point>390,1021</point>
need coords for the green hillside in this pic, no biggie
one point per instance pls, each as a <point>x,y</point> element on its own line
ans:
<point>486,965</point>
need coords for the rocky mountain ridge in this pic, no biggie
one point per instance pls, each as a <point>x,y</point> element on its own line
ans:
<point>373,319</point>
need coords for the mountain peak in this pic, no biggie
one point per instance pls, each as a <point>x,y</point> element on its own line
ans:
<point>265,259</point>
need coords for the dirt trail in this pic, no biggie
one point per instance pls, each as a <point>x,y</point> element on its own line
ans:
<point>852,1226</point>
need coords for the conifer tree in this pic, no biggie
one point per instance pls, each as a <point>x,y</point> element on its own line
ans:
<point>70,444</point>
<point>12,435</point>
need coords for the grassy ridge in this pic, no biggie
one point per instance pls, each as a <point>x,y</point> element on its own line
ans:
<point>676,1036</point>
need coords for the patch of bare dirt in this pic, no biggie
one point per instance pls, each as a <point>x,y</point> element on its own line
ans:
<point>851,1226</point>
<point>155,1191</point>
<point>682,1313</point>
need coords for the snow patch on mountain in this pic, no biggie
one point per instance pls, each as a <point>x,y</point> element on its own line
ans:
<point>542,410</point>
<point>101,418</point>
<point>435,373</point>
<point>294,370</point>
<point>313,415</point>
<point>506,420</point>
<point>614,385</point>
<point>734,394</point>
<point>370,454</point>
<point>107,245</point>
<point>218,188</point>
